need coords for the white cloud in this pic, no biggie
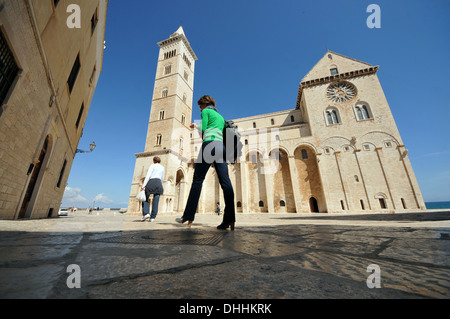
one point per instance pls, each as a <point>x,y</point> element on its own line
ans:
<point>101,198</point>
<point>73,196</point>
<point>434,154</point>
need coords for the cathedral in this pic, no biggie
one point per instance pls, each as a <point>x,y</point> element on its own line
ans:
<point>338,150</point>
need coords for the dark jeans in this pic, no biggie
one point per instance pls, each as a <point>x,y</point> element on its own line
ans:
<point>146,206</point>
<point>211,154</point>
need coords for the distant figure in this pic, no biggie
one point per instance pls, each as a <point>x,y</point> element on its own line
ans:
<point>211,153</point>
<point>153,185</point>
<point>218,208</point>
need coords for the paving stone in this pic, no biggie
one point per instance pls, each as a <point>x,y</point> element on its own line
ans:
<point>274,256</point>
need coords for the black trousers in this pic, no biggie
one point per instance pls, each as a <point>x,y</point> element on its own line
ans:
<point>212,153</point>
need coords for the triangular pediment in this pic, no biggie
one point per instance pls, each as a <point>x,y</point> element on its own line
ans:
<point>334,60</point>
<point>180,31</point>
<point>177,36</point>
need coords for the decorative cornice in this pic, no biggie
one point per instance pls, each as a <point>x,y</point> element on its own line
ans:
<point>333,78</point>
<point>271,130</point>
<point>177,38</point>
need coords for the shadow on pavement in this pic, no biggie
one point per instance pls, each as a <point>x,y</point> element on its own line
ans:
<point>426,216</point>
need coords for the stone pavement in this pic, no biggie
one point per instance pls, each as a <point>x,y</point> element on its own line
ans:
<point>268,256</point>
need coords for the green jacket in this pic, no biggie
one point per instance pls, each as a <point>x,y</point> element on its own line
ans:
<point>212,125</point>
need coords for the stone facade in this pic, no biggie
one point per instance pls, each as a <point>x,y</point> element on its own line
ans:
<point>338,150</point>
<point>53,73</point>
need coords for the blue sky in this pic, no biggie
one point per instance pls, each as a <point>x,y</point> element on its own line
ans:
<point>252,57</point>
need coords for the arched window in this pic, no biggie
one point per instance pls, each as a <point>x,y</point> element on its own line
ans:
<point>332,116</point>
<point>165,92</point>
<point>304,154</point>
<point>261,203</point>
<point>9,69</point>
<point>382,200</point>
<point>403,203</point>
<point>167,69</point>
<point>362,112</point>
<point>313,205</point>
<point>158,139</point>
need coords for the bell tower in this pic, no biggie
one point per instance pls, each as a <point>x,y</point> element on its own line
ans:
<point>168,134</point>
<point>171,109</point>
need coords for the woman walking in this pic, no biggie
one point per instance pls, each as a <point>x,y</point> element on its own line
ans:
<point>211,153</point>
<point>153,185</point>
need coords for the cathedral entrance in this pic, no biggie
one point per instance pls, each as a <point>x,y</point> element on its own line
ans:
<point>283,194</point>
<point>309,178</point>
<point>257,183</point>
<point>179,192</point>
<point>314,207</point>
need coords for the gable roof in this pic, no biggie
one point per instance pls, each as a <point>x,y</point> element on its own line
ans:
<point>321,73</point>
<point>180,31</point>
<point>179,35</point>
<point>331,59</point>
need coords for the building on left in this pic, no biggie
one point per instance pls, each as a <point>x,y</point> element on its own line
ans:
<point>51,56</point>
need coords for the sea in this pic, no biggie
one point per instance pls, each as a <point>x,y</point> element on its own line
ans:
<point>437,205</point>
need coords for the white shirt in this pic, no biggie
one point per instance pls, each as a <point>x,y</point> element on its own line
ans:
<point>155,171</point>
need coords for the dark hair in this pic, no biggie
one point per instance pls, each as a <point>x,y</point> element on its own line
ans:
<point>156,159</point>
<point>206,99</point>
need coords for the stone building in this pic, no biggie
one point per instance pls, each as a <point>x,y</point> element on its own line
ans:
<point>337,150</point>
<point>51,55</point>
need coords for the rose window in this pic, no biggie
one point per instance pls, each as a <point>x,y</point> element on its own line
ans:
<point>341,92</point>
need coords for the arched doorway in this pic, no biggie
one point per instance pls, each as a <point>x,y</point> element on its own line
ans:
<point>25,209</point>
<point>308,176</point>
<point>313,205</point>
<point>256,182</point>
<point>283,194</point>
<point>179,192</point>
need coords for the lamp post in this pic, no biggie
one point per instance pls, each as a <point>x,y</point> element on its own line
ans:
<point>91,147</point>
